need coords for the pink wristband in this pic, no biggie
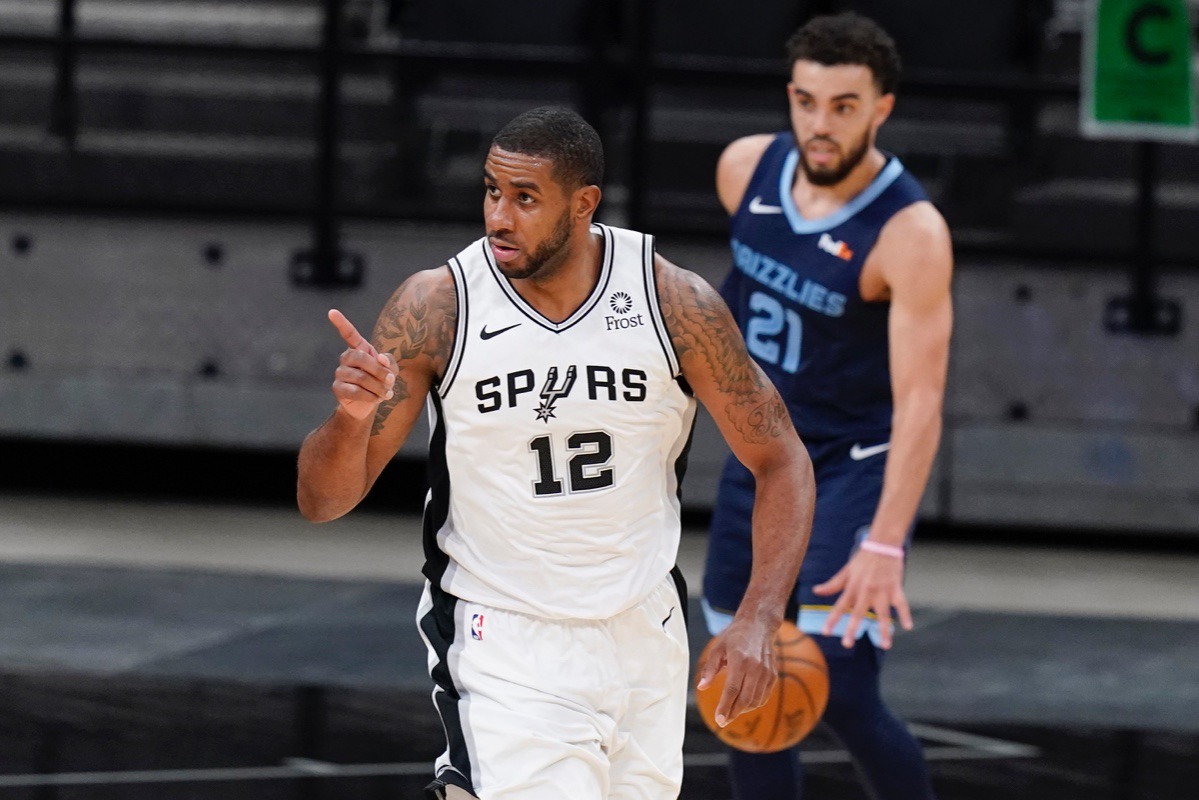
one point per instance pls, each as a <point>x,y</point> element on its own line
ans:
<point>882,549</point>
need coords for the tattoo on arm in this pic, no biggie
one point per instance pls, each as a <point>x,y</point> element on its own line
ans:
<point>706,337</point>
<point>419,321</point>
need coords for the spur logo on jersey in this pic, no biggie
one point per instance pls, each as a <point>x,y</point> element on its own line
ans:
<point>603,383</point>
<point>622,304</point>
<point>551,392</point>
<point>834,248</point>
<point>476,627</point>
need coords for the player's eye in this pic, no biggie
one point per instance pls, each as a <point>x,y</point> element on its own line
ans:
<point>525,197</point>
<point>844,109</point>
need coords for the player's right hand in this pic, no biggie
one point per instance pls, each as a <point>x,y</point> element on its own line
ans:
<point>746,649</point>
<point>364,377</point>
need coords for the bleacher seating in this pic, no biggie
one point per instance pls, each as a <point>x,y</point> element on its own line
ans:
<point>231,131</point>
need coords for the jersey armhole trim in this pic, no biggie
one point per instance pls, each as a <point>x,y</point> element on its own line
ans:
<point>655,305</point>
<point>759,174</point>
<point>451,370</point>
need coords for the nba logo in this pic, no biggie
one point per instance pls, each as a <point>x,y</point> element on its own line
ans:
<point>476,626</point>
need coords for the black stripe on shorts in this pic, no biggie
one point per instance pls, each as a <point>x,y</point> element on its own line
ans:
<point>438,626</point>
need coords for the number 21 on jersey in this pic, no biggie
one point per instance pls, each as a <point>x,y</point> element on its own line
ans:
<point>774,334</point>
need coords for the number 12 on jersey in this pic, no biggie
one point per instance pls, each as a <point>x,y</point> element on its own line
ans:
<point>587,467</point>
<point>762,334</point>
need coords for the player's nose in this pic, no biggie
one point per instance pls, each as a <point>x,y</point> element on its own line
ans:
<point>498,216</point>
<point>821,123</point>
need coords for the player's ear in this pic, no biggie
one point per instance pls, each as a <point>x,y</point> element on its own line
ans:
<point>586,200</point>
<point>883,107</point>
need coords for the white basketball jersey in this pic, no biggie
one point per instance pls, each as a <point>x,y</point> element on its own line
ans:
<point>557,448</point>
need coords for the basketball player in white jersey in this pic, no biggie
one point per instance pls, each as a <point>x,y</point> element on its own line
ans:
<point>560,361</point>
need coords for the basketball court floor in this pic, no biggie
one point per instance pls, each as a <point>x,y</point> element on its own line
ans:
<point>164,650</point>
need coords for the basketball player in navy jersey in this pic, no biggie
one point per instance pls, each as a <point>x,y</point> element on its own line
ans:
<point>560,361</point>
<point>840,284</point>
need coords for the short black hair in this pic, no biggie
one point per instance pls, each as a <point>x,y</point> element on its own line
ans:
<point>847,38</point>
<point>560,135</point>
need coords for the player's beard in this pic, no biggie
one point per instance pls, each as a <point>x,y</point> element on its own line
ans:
<point>548,252</point>
<point>834,175</point>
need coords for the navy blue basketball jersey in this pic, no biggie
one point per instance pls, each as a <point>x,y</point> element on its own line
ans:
<point>794,291</point>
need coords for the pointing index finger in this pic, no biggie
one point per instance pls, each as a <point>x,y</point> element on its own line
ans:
<point>348,332</point>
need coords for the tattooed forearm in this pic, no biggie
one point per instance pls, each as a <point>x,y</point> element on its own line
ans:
<point>417,328</point>
<point>384,410</point>
<point>706,338</point>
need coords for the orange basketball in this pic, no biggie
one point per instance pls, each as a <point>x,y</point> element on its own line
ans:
<point>794,706</point>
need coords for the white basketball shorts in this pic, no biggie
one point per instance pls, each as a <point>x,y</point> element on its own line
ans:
<point>545,709</point>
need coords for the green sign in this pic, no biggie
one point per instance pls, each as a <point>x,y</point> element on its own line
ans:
<point>1139,79</point>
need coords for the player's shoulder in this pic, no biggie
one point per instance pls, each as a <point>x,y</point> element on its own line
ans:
<point>426,286</point>
<point>914,249</point>
<point>421,315</point>
<point>744,153</point>
<point>419,323</point>
<point>671,277</point>
<point>687,300</point>
<point>919,224</point>
<point>736,166</point>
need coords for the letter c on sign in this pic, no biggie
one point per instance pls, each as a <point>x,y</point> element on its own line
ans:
<point>1132,34</point>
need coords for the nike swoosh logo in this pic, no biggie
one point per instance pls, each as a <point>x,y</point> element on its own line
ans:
<point>756,206</point>
<point>486,334</point>
<point>857,452</point>
<point>668,616</point>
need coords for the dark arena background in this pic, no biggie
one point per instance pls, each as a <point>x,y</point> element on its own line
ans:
<point>187,186</point>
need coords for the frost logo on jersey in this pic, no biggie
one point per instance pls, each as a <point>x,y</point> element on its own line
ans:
<point>476,626</point>
<point>831,246</point>
<point>551,392</point>
<point>620,302</point>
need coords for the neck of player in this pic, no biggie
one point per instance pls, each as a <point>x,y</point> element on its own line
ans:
<point>815,201</point>
<point>561,287</point>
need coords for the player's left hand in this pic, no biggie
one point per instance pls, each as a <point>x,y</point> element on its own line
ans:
<point>869,582</point>
<point>746,649</point>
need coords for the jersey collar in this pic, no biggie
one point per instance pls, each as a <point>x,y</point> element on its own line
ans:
<point>799,224</point>
<point>536,316</point>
